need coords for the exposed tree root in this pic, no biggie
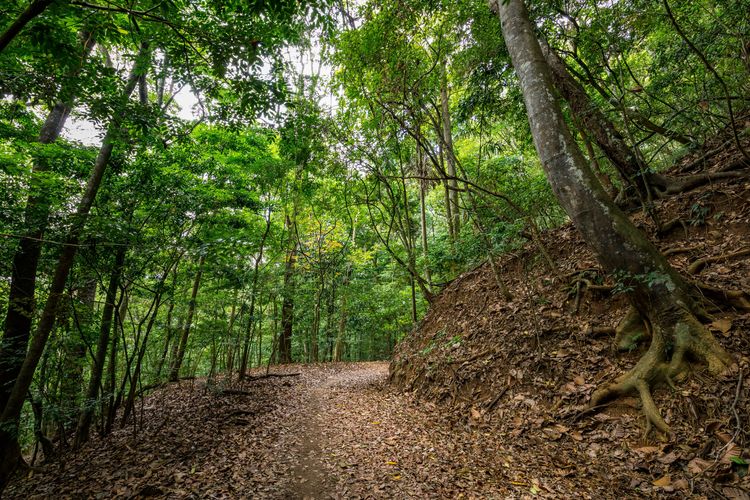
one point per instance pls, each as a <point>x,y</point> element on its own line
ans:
<point>668,226</point>
<point>668,186</point>
<point>699,264</point>
<point>739,299</point>
<point>673,345</point>
<point>631,330</point>
<point>676,250</point>
<point>581,283</point>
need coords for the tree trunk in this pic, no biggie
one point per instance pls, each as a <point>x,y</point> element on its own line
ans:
<point>606,135</point>
<point>253,292</point>
<point>455,210</point>
<point>89,402</point>
<point>287,306</point>
<point>110,409</point>
<point>21,305</point>
<point>135,379</point>
<point>659,293</point>
<point>339,349</point>
<point>35,8</point>
<point>422,171</point>
<point>174,374</point>
<point>75,354</point>
<point>12,411</point>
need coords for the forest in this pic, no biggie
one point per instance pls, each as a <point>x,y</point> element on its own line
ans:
<point>383,249</point>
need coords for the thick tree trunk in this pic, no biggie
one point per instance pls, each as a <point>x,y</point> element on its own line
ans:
<point>12,410</point>
<point>89,402</point>
<point>35,8</point>
<point>659,294</point>
<point>21,304</point>
<point>606,135</point>
<point>174,374</point>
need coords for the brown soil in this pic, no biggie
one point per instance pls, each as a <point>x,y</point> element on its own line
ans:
<point>524,370</point>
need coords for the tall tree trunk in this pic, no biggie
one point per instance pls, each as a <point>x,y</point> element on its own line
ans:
<point>608,138</point>
<point>11,413</point>
<point>174,373</point>
<point>315,328</point>
<point>112,403</point>
<point>35,8</point>
<point>287,306</point>
<point>135,379</point>
<point>89,402</point>
<point>422,172</point>
<point>167,340</point>
<point>21,304</point>
<point>339,349</point>
<point>253,293</point>
<point>75,354</point>
<point>450,155</point>
<point>660,294</point>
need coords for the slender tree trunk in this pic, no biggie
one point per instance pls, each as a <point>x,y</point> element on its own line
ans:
<point>35,8</point>
<point>89,402</point>
<point>315,329</point>
<point>135,379</point>
<point>455,210</point>
<point>112,402</point>
<point>660,294</point>
<point>287,306</point>
<point>174,374</point>
<point>21,302</point>
<point>253,293</point>
<point>169,334</point>
<point>423,234</point>
<point>11,413</point>
<point>339,349</point>
<point>75,354</point>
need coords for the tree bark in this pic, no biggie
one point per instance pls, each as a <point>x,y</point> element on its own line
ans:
<point>174,374</point>
<point>287,306</point>
<point>660,294</point>
<point>11,413</point>
<point>21,303</point>
<point>455,211</point>
<point>89,402</point>
<point>606,135</point>
<point>35,8</point>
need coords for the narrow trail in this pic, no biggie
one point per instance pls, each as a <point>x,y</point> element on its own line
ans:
<point>335,431</point>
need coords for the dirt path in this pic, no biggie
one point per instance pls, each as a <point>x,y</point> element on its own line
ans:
<point>336,431</point>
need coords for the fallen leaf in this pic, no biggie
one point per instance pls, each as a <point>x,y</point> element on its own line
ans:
<point>698,465</point>
<point>663,481</point>
<point>722,325</point>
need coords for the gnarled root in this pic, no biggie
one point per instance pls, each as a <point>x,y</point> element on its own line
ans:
<point>672,345</point>
<point>631,330</point>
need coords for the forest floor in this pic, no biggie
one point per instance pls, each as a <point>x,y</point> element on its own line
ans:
<point>524,369</point>
<point>334,431</point>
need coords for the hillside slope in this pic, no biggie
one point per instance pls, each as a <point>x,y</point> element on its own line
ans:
<point>525,369</point>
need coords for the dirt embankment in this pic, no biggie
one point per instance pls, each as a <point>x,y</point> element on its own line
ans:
<point>525,369</point>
